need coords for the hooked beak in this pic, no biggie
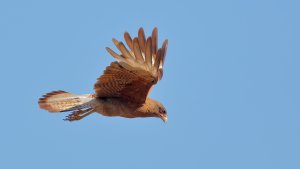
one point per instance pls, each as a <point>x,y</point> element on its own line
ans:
<point>164,118</point>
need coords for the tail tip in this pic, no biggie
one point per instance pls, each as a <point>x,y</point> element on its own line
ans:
<point>44,101</point>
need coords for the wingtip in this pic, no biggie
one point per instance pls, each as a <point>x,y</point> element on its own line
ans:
<point>165,42</point>
<point>115,41</point>
<point>165,46</point>
<point>141,29</point>
<point>128,40</point>
<point>114,54</point>
<point>155,30</point>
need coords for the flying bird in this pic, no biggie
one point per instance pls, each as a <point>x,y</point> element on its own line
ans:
<point>123,88</point>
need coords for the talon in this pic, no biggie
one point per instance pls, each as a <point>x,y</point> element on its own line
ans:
<point>78,115</point>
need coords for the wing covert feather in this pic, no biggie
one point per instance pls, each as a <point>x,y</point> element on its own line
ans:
<point>117,81</point>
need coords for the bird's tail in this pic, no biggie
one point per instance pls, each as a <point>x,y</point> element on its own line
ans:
<point>60,101</point>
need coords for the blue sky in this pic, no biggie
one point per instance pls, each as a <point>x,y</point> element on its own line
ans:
<point>231,84</point>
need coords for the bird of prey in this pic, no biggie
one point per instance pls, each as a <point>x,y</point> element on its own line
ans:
<point>123,88</point>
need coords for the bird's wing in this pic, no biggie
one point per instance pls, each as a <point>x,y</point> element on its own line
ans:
<point>137,69</point>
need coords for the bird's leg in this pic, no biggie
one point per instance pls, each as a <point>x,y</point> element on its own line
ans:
<point>78,115</point>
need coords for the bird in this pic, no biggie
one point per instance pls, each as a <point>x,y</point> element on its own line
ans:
<point>123,89</point>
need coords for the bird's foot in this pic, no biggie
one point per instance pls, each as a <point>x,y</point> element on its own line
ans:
<point>78,115</point>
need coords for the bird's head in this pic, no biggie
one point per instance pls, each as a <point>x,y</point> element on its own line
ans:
<point>161,112</point>
<point>156,109</point>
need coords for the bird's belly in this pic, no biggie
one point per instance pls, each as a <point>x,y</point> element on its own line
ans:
<point>113,107</point>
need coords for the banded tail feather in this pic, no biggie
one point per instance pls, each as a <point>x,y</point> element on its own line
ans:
<point>61,101</point>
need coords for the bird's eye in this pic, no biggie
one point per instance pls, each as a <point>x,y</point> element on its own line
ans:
<point>161,110</point>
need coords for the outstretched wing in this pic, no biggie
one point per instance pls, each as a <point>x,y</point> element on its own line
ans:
<point>137,69</point>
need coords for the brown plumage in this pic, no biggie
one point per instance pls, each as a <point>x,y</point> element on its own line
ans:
<point>123,88</point>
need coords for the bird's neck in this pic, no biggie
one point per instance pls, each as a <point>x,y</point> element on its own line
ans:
<point>148,109</point>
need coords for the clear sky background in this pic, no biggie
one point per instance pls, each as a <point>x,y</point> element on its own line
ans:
<point>231,85</point>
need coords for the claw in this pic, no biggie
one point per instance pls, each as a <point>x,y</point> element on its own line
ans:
<point>78,115</point>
